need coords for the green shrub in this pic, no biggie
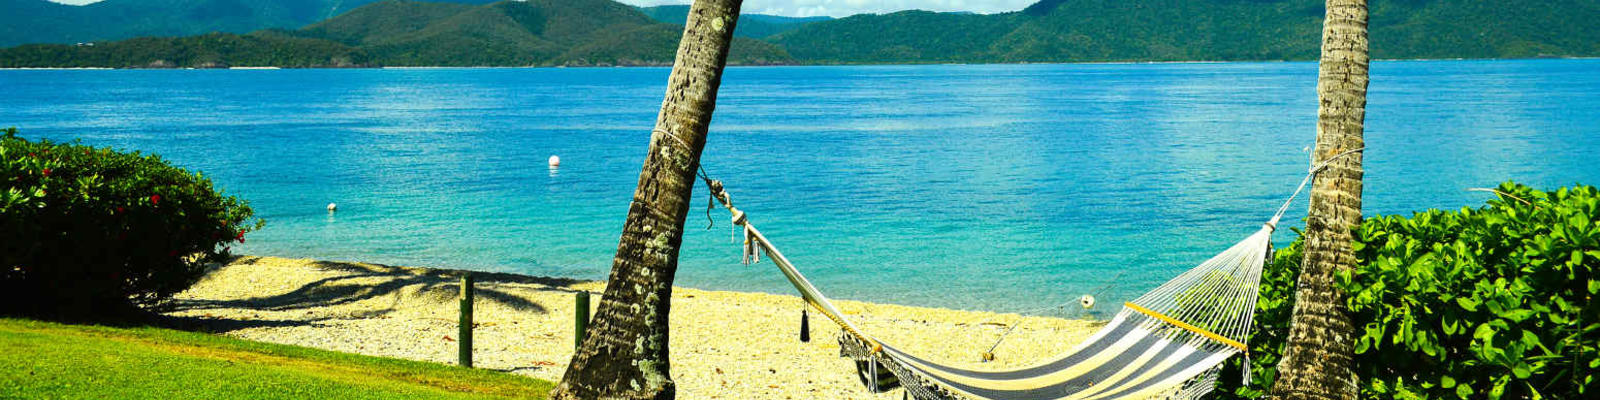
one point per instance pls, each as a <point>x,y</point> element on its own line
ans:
<point>90,231</point>
<point>1490,303</point>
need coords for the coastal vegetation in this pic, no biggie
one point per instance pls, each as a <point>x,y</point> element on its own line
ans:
<point>43,21</point>
<point>46,360</point>
<point>88,231</point>
<point>411,33</point>
<point>603,32</point>
<point>1198,30</point>
<point>214,50</point>
<point>1489,302</point>
<point>754,26</point>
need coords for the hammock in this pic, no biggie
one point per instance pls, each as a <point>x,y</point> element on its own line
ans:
<point>1168,343</point>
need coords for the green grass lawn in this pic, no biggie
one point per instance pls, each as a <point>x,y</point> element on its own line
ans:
<point>41,360</point>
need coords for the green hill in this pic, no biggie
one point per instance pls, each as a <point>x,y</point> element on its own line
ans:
<point>215,50</point>
<point>411,33</point>
<point>755,26</point>
<point>41,21</point>
<point>1189,30</point>
<point>604,32</point>
<point>516,33</point>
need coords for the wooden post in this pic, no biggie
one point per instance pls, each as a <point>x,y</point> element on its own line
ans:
<point>465,355</point>
<point>580,319</point>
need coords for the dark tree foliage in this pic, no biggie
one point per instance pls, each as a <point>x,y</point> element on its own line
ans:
<point>604,32</point>
<point>754,26</point>
<point>411,33</point>
<point>216,50</point>
<point>1493,302</point>
<point>90,231</point>
<point>1200,30</point>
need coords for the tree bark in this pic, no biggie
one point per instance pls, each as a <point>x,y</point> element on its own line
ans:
<point>1318,359</point>
<point>625,355</point>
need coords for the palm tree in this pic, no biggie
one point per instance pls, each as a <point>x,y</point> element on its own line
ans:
<point>1317,362</point>
<point>625,354</point>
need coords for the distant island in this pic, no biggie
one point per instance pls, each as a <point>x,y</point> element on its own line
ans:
<point>357,33</point>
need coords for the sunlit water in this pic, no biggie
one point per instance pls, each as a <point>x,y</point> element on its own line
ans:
<point>1005,187</point>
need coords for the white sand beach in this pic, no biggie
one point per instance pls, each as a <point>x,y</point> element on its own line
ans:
<point>725,345</point>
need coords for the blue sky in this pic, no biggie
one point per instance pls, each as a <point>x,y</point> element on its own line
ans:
<point>835,8</point>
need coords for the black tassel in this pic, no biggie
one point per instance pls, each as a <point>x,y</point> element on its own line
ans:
<point>805,327</point>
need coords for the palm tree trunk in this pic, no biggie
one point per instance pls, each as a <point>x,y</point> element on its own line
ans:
<point>1318,359</point>
<point>625,354</point>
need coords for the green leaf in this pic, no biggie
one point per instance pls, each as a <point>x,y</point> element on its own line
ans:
<point>1447,382</point>
<point>1468,304</point>
<point>1464,390</point>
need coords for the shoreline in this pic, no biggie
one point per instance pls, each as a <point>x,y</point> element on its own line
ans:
<point>732,345</point>
<point>780,65</point>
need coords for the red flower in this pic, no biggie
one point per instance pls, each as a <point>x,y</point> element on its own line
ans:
<point>31,154</point>
<point>119,210</point>
<point>155,199</point>
<point>241,237</point>
<point>46,172</point>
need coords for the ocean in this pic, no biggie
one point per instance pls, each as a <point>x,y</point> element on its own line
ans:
<point>988,187</point>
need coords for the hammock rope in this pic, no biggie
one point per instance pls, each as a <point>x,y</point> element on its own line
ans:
<point>1168,343</point>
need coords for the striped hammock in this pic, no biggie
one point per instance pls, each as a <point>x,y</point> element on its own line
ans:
<point>1167,344</point>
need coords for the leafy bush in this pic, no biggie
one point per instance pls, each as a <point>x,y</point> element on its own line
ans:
<point>1493,302</point>
<point>90,231</point>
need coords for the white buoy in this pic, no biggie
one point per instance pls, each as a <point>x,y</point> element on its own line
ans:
<point>555,161</point>
<point>1087,301</point>
<point>333,207</point>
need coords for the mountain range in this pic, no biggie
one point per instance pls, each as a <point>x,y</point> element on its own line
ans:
<point>413,33</point>
<point>42,21</point>
<point>603,32</point>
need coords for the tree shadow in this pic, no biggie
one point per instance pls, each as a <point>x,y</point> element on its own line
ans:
<point>439,285</point>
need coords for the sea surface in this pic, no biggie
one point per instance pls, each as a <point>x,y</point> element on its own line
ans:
<point>991,187</point>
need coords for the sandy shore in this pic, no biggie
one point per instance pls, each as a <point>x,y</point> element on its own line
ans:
<point>725,345</point>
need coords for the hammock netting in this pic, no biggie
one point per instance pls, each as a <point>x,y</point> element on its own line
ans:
<point>1167,344</point>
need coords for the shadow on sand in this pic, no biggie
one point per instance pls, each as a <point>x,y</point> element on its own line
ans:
<point>441,285</point>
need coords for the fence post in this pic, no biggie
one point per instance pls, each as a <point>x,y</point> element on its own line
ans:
<point>580,319</point>
<point>465,356</point>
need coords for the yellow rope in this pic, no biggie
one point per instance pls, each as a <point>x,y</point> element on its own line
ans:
<point>1191,328</point>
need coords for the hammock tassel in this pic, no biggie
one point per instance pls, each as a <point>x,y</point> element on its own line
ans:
<point>1246,369</point>
<point>873,367</point>
<point>749,247</point>
<point>805,326</point>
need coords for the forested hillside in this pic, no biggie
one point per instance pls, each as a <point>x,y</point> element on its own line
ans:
<point>604,32</point>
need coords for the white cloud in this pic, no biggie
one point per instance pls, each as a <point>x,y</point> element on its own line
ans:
<point>76,2</point>
<point>842,8</point>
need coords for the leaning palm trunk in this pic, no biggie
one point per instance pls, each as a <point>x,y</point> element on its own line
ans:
<point>625,354</point>
<point>1317,362</point>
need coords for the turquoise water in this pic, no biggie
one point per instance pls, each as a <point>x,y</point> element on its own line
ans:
<point>1003,187</point>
